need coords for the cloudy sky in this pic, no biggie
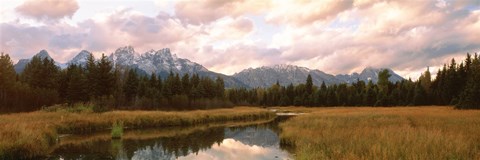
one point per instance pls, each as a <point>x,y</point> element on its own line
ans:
<point>227,36</point>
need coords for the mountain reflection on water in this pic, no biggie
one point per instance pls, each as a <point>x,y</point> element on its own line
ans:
<point>259,141</point>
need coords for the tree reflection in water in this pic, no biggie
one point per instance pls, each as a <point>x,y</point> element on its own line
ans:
<point>259,141</point>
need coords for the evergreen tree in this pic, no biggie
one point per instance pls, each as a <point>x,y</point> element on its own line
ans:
<point>383,81</point>
<point>322,93</point>
<point>177,85</point>
<point>104,77</point>
<point>7,79</point>
<point>152,87</point>
<point>41,73</point>
<point>331,97</point>
<point>131,86</point>
<point>142,86</point>
<point>77,85</point>
<point>290,91</point>
<point>159,85</point>
<point>383,87</point>
<point>342,94</point>
<point>219,87</point>
<point>425,81</point>
<point>309,85</point>
<point>451,84</point>
<point>371,94</point>
<point>419,97</point>
<point>470,97</point>
<point>186,85</point>
<point>7,72</point>
<point>195,80</point>
<point>468,63</point>
<point>118,93</point>
<point>169,86</point>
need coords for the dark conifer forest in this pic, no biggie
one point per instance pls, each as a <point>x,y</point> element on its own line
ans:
<point>109,87</point>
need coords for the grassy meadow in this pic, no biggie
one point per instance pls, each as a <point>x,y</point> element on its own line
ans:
<point>27,135</point>
<point>383,133</point>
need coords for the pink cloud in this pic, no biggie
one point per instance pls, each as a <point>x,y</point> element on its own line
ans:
<point>204,12</point>
<point>403,35</point>
<point>300,13</point>
<point>333,36</point>
<point>48,9</point>
<point>241,56</point>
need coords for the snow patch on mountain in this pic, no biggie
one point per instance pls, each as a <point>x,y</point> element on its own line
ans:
<point>80,59</point>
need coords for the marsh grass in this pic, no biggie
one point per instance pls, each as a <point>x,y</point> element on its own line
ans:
<point>117,130</point>
<point>30,135</point>
<point>385,133</point>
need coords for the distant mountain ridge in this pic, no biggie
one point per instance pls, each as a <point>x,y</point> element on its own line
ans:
<point>286,74</point>
<point>367,74</point>
<point>162,61</point>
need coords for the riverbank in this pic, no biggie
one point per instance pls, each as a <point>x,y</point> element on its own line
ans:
<point>27,135</point>
<point>383,133</point>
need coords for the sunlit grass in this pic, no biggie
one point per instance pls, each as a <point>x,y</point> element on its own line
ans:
<point>31,134</point>
<point>385,133</point>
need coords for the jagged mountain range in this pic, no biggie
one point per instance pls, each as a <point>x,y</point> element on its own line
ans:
<point>162,61</point>
<point>286,74</point>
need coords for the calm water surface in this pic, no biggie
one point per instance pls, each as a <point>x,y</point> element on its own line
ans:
<point>252,142</point>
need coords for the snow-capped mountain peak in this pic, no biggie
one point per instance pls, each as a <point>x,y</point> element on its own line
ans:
<point>81,58</point>
<point>126,49</point>
<point>22,63</point>
<point>124,56</point>
<point>43,54</point>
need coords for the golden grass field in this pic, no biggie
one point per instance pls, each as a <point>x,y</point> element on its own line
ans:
<point>27,135</point>
<point>383,133</point>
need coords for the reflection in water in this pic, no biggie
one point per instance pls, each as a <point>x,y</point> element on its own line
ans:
<point>233,149</point>
<point>250,142</point>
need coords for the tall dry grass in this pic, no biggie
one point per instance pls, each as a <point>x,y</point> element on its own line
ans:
<point>27,135</point>
<point>384,133</point>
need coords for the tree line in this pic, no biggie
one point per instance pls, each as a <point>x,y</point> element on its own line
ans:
<point>42,83</point>
<point>455,84</point>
